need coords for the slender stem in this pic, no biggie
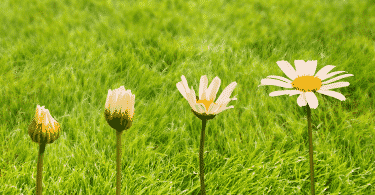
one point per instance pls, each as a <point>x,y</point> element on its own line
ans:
<point>201,163</point>
<point>39,176</point>
<point>310,150</point>
<point>118,168</point>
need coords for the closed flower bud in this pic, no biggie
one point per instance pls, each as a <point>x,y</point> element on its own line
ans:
<point>43,128</point>
<point>119,108</point>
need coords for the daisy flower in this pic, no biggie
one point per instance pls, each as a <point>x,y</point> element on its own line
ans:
<point>305,82</point>
<point>205,108</point>
<point>206,105</point>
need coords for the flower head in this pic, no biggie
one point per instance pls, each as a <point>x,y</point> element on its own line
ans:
<point>205,105</point>
<point>119,108</point>
<point>306,82</point>
<point>43,128</point>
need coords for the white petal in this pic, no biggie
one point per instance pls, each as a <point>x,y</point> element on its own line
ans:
<point>110,102</point>
<point>285,92</point>
<point>331,74</point>
<point>107,100</point>
<point>212,89</point>
<point>121,101</point>
<point>337,78</point>
<point>305,68</point>
<point>280,78</point>
<point>115,97</point>
<point>311,67</point>
<point>184,83</point>
<point>287,69</point>
<point>194,96</point>
<point>221,109</point>
<point>214,109</point>
<point>335,85</point>
<point>203,86</point>
<point>334,94</point>
<point>45,116</point>
<point>301,100</point>
<point>127,101</point>
<point>182,90</point>
<point>300,67</point>
<point>312,100</point>
<point>324,71</point>
<point>132,102</point>
<point>192,99</point>
<point>224,102</point>
<point>275,83</point>
<point>227,92</point>
<point>122,88</point>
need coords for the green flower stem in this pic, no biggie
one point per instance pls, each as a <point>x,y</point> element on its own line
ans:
<point>201,163</point>
<point>310,150</point>
<point>118,168</point>
<point>39,176</point>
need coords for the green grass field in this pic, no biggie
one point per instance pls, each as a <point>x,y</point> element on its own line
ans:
<point>66,54</point>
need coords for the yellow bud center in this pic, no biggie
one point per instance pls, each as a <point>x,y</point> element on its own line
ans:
<point>206,103</point>
<point>307,83</point>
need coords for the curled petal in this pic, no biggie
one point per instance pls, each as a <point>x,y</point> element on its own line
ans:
<point>182,90</point>
<point>184,82</point>
<point>227,92</point>
<point>213,89</point>
<point>191,98</point>
<point>203,86</point>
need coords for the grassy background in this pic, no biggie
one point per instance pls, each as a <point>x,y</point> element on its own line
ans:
<point>65,55</point>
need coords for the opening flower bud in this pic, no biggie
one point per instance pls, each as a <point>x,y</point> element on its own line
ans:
<point>43,127</point>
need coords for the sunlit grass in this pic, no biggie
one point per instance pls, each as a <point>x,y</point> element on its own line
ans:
<point>65,55</point>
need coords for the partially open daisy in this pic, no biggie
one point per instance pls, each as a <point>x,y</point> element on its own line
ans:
<point>305,82</point>
<point>205,108</point>
<point>206,105</point>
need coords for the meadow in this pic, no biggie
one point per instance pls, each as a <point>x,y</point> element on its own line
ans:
<point>66,54</point>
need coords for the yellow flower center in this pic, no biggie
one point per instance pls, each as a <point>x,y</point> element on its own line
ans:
<point>206,103</point>
<point>307,83</point>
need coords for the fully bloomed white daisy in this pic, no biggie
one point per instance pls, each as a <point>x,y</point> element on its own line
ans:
<point>206,104</point>
<point>305,82</point>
